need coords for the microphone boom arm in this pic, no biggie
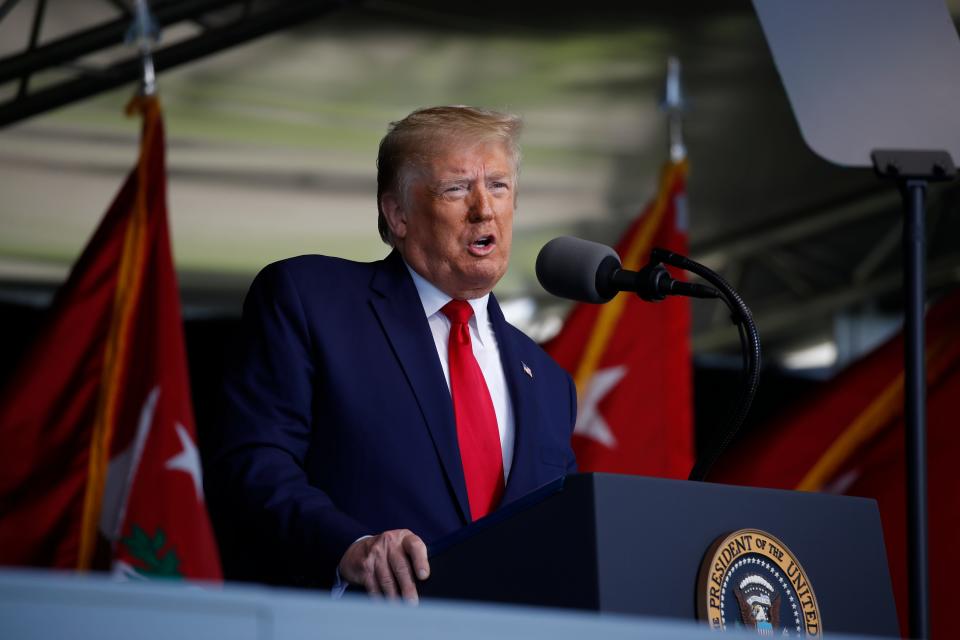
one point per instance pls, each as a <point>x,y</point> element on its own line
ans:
<point>749,343</point>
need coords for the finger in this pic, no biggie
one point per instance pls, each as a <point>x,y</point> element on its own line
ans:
<point>370,584</point>
<point>403,573</point>
<point>417,552</point>
<point>385,579</point>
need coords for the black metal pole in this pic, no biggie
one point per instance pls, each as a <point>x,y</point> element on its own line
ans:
<point>915,404</point>
<point>913,170</point>
<point>34,38</point>
<point>285,14</point>
<point>76,45</point>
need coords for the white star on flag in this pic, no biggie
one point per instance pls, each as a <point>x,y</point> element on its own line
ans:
<point>123,469</point>
<point>590,422</point>
<point>188,460</point>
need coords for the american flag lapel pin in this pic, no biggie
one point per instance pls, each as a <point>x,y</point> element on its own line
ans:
<point>526,369</point>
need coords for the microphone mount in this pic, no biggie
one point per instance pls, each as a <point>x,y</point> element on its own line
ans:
<point>652,283</point>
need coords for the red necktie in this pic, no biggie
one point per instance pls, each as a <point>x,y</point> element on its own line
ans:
<point>477,431</point>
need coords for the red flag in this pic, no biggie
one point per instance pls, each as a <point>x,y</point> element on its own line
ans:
<point>99,468</point>
<point>848,439</point>
<point>630,359</point>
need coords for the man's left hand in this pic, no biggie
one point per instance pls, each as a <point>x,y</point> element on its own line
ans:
<point>385,564</point>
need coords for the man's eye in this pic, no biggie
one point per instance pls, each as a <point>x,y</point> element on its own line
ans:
<point>500,185</point>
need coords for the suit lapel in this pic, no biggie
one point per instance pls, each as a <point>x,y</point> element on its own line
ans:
<point>397,305</point>
<point>522,471</point>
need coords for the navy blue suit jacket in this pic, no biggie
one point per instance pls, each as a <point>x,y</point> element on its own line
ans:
<point>338,423</point>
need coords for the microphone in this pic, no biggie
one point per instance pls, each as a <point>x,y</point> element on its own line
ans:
<point>588,271</point>
<point>577,269</point>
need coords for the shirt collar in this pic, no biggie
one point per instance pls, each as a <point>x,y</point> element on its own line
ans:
<point>433,299</point>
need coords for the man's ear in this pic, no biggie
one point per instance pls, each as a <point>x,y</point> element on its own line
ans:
<point>395,214</point>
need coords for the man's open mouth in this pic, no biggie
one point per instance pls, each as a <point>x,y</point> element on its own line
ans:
<point>482,245</point>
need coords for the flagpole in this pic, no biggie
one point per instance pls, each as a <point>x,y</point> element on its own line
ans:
<point>674,105</point>
<point>144,32</point>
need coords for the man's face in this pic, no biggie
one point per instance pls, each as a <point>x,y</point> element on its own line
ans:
<point>456,224</point>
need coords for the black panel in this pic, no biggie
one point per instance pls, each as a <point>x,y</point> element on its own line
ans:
<point>543,555</point>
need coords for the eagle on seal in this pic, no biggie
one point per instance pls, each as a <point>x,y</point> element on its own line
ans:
<point>757,608</point>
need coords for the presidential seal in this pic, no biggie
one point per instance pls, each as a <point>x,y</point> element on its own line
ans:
<point>750,580</point>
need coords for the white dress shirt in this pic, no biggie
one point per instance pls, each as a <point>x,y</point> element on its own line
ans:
<point>485,350</point>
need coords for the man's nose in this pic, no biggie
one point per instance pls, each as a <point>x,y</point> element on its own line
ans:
<point>481,204</point>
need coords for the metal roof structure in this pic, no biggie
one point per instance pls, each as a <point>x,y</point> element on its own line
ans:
<point>274,109</point>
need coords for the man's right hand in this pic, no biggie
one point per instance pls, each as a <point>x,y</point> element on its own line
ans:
<point>386,564</point>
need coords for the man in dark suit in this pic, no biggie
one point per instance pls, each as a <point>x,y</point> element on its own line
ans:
<point>374,406</point>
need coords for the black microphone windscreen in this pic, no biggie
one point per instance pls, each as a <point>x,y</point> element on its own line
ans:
<point>568,267</point>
